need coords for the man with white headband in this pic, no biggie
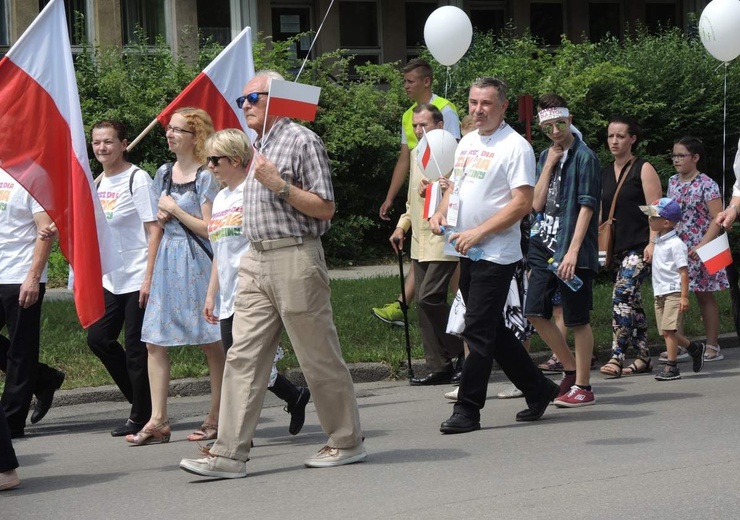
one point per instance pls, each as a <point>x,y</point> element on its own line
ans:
<point>567,192</point>
<point>494,185</point>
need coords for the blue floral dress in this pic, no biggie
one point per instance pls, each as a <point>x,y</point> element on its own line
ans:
<point>181,272</point>
<point>695,221</point>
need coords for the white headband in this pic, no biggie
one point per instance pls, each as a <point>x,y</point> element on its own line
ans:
<point>552,113</point>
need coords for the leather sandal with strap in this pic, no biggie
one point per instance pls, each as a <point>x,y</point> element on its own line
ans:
<point>612,369</point>
<point>645,367</point>
<point>158,434</point>
<point>206,432</point>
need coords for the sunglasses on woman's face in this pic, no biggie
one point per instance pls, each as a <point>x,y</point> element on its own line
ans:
<point>252,98</point>
<point>213,159</point>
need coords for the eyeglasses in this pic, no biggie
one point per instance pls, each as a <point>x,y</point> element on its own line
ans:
<point>252,98</point>
<point>178,130</point>
<point>680,156</point>
<point>548,128</point>
<point>214,159</point>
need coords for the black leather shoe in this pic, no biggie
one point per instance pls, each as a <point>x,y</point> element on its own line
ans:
<point>536,410</point>
<point>458,423</point>
<point>456,376</point>
<point>45,397</point>
<point>129,428</point>
<point>298,410</point>
<point>435,378</point>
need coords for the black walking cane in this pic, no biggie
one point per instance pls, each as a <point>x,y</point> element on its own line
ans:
<point>404,306</point>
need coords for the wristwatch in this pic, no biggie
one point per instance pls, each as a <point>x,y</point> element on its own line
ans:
<point>284,192</point>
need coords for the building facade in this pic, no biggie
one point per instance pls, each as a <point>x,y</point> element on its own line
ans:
<point>376,30</point>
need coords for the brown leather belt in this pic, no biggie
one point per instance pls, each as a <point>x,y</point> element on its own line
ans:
<point>278,243</point>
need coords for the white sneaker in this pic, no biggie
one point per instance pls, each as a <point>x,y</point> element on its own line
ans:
<point>218,467</point>
<point>452,394</point>
<point>511,393</point>
<point>328,457</point>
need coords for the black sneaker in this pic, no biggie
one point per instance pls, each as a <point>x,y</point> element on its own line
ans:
<point>696,351</point>
<point>669,373</point>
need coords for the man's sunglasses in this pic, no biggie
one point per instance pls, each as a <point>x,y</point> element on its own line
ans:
<point>252,98</point>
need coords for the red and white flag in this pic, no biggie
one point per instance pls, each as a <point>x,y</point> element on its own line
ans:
<point>716,255</point>
<point>294,100</point>
<point>42,146</point>
<point>216,89</point>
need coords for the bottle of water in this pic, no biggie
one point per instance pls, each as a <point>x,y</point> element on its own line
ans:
<point>573,284</point>
<point>475,253</point>
<point>536,226</point>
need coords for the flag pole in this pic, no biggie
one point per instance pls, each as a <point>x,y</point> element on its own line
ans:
<point>142,134</point>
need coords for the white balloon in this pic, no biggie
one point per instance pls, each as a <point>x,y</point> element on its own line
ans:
<point>719,29</point>
<point>436,153</point>
<point>447,34</point>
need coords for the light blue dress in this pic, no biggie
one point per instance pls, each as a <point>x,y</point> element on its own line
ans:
<point>174,314</point>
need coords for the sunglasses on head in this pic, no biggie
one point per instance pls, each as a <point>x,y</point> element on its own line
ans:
<point>252,98</point>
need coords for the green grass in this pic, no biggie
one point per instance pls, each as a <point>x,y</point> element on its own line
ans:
<point>363,337</point>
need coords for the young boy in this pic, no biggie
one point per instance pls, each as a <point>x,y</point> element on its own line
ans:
<point>671,285</point>
<point>567,192</point>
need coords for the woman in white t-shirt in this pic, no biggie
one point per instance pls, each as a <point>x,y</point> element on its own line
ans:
<point>229,154</point>
<point>125,193</point>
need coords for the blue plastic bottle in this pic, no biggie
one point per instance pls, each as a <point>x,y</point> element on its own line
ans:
<point>573,284</point>
<point>475,253</point>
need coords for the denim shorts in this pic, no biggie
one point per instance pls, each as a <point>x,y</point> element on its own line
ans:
<point>543,284</point>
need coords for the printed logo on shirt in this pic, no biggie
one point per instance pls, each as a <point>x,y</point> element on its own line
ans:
<point>473,164</point>
<point>227,223</point>
<point>109,201</point>
<point>6,188</point>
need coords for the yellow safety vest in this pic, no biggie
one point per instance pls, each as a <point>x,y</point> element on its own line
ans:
<point>408,124</point>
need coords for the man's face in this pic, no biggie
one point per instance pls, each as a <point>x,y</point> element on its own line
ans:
<point>486,109</point>
<point>558,130</point>
<point>255,113</point>
<point>414,85</point>
<point>424,122</point>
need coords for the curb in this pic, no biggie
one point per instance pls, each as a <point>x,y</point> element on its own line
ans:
<point>360,372</point>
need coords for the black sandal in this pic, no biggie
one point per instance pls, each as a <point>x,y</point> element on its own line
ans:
<point>646,368</point>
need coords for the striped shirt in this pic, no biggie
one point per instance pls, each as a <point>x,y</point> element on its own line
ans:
<point>301,159</point>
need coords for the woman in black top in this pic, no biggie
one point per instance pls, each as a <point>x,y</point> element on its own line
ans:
<point>633,246</point>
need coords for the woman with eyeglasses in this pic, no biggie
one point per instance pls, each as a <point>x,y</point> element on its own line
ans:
<point>701,202</point>
<point>633,246</point>
<point>185,191</point>
<point>229,156</point>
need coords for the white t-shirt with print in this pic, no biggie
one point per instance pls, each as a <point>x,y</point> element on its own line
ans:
<point>126,215</point>
<point>17,230</point>
<point>486,169</point>
<point>229,243</point>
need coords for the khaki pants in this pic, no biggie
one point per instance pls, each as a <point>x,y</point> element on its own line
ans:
<point>289,288</point>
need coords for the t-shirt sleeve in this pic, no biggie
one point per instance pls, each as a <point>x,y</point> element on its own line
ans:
<point>35,206</point>
<point>143,196</point>
<point>452,121</point>
<point>157,183</point>
<point>521,168</point>
<point>403,136</point>
<point>712,190</point>
<point>680,254</point>
<point>207,186</point>
<point>311,167</point>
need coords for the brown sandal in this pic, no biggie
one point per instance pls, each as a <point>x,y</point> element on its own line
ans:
<point>612,369</point>
<point>158,434</point>
<point>646,368</point>
<point>206,432</point>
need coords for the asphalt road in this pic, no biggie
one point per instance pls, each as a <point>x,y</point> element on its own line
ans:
<point>647,449</point>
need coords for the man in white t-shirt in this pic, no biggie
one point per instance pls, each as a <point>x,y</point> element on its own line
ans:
<point>23,258</point>
<point>493,189</point>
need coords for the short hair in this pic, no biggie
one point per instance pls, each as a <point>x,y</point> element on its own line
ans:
<point>633,129</point>
<point>270,74</point>
<point>694,145</point>
<point>425,70</point>
<point>491,82</point>
<point>437,116</point>
<point>231,143</point>
<point>119,127</point>
<point>199,122</point>
<point>551,101</point>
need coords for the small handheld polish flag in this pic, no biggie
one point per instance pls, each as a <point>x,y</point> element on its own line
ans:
<point>716,255</point>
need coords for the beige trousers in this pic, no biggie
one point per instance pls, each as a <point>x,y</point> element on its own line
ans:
<point>289,288</point>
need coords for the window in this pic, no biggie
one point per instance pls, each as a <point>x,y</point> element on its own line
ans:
<point>288,22</point>
<point>660,15</point>
<point>4,40</point>
<point>77,26</point>
<point>416,16</point>
<point>604,18</point>
<point>359,30</point>
<point>488,16</point>
<point>546,22</point>
<point>214,20</point>
<point>145,14</point>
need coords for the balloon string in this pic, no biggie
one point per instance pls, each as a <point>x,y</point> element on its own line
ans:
<point>724,138</point>
<point>316,36</point>
<point>447,80</point>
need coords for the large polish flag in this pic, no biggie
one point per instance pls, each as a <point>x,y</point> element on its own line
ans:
<point>216,88</point>
<point>42,146</point>
<point>294,100</point>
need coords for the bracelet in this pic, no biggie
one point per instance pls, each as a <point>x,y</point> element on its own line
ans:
<point>735,207</point>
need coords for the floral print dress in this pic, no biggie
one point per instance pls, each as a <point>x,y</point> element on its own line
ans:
<point>693,196</point>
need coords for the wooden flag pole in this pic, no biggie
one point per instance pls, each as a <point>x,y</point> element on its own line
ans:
<point>142,134</point>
